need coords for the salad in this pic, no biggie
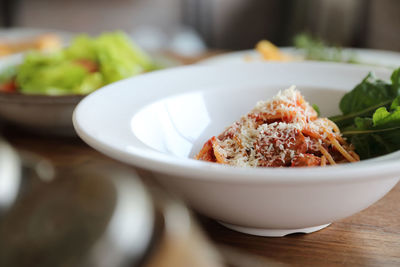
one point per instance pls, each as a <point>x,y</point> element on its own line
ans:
<point>84,66</point>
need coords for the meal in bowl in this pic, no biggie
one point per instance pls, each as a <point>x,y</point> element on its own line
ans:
<point>162,130</point>
<point>84,66</point>
<point>287,132</point>
<point>282,132</point>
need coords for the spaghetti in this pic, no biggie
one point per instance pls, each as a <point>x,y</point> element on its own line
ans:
<point>283,132</point>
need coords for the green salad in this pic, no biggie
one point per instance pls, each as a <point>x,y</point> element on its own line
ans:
<point>84,66</point>
<point>370,116</point>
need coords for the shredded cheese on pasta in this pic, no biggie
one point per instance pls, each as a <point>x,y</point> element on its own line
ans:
<point>283,131</point>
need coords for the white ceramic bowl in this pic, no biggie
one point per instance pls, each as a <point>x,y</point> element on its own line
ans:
<point>159,121</point>
<point>373,57</point>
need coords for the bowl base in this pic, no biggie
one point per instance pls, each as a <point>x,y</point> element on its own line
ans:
<point>272,232</point>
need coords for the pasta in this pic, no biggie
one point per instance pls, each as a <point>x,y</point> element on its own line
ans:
<point>283,132</point>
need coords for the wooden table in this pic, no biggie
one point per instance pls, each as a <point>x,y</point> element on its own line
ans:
<point>369,238</point>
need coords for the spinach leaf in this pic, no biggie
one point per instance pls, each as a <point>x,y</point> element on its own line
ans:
<point>378,135</point>
<point>395,78</point>
<point>366,97</point>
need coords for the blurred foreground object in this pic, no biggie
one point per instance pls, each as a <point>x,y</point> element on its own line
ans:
<point>10,172</point>
<point>100,216</point>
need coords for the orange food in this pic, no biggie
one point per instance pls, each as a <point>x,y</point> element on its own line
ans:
<point>44,42</point>
<point>269,51</point>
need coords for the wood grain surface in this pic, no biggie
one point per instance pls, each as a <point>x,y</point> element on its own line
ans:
<point>369,238</point>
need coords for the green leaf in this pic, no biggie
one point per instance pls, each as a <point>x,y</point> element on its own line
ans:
<point>363,123</point>
<point>365,98</point>
<point>395,78</point>
<point>380,115</point>
<point>120,58</point>
<point>395,103</point>
<point>384,119</point>
<point>369,93</point>
<point>49,74</point>
<point>82,47</point>
<point>378,135</point>
<point>89,84</point>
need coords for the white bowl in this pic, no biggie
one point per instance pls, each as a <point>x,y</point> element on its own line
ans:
<point>159,121</point>
<point>383,58</point>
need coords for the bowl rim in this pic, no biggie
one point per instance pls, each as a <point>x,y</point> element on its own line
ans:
<point>188,168</point>
<point>21,98</point>
<point>361,53</point>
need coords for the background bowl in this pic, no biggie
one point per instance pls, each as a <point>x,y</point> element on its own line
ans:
<point>159,121</point>
<point>37,113</point>
<point>371,57</point>
<point>46,114</point>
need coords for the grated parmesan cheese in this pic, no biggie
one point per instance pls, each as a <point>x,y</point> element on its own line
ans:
<point>257,140</point>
